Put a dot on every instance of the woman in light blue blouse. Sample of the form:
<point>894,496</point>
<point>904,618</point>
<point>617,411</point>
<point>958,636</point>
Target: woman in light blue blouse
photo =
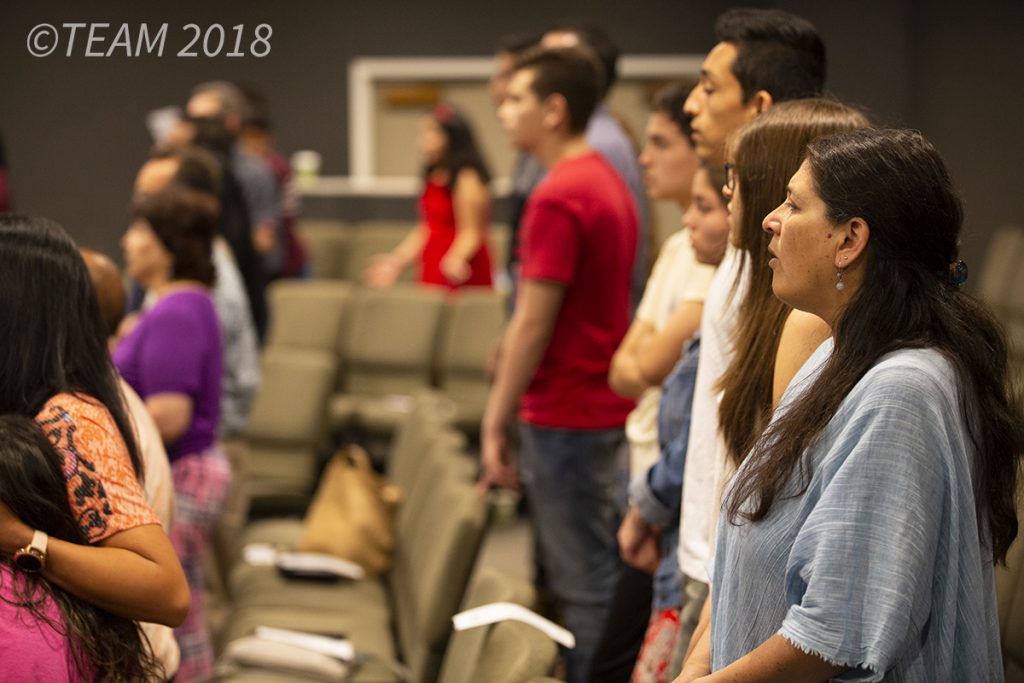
<point>857,540</point>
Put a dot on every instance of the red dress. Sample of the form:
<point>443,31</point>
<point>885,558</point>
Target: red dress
<point>438,212</point>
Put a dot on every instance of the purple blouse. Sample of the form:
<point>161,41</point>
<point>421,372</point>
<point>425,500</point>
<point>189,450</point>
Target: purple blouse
<point>176,348</point>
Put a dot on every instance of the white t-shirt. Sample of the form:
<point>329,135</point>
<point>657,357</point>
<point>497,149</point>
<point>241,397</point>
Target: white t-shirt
<point>677,277</point>
<point>706,451</point>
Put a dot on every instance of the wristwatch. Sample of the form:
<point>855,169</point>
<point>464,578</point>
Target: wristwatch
<point>32,558</point>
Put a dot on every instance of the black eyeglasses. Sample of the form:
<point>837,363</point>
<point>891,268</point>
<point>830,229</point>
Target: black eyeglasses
<point>730,177</point>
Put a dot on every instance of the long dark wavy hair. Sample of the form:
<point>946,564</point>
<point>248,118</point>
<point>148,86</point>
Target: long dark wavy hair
<point>52,336</point>
<point>461,150</point>
<point>896,181</point>
<point>104,647</point>
<point>765,154</point>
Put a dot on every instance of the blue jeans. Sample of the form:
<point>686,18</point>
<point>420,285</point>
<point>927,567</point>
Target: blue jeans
<point>570,478</point>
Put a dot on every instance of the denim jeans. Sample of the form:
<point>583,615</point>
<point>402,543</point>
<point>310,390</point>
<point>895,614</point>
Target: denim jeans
<point>570,478</point>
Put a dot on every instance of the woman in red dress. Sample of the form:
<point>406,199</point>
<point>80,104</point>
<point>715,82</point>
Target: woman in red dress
<point>450,241</point>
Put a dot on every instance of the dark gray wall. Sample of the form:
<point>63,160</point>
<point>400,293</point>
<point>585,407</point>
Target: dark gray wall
<point>74,125</point>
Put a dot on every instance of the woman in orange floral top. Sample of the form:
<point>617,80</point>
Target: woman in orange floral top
<point>55,367</point>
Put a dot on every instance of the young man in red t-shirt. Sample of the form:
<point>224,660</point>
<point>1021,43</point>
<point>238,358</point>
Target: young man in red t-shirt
<point>572,311</point>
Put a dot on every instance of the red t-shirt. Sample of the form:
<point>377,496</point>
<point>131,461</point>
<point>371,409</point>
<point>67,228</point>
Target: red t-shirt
<point>438,211</point>
<point>580,229</point>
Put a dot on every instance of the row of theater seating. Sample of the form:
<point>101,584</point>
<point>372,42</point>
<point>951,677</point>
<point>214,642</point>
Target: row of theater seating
<point>405,615</point>
<point>342,250</point>
<point>342,359</point>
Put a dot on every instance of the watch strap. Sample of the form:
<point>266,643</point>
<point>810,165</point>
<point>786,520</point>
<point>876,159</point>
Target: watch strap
<point>39,541</point>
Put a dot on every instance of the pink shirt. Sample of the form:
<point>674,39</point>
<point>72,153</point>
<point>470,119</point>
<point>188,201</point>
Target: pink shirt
<point>30,649</point>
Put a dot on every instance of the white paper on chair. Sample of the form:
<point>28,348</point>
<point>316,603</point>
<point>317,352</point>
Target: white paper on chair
<point>260,554</point>
<point>506,611</point>
<point>339,648</point>
<point>319,562</point>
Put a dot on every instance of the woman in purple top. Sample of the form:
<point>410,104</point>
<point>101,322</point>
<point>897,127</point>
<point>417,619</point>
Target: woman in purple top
<point>172,357</point>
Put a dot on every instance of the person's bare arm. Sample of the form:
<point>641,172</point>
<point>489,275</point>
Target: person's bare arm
<point>134,573</point>
<point>384,269</point>
<point>524,344</point>
<point>472,204</point>
<point>776,661</point>
<point>172,413</point>
<point>660,352</point>
<point>802,333</point>
<point>697,662</point>
<point>624,376</point>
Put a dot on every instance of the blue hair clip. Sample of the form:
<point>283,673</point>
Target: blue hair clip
<point>957,274</point>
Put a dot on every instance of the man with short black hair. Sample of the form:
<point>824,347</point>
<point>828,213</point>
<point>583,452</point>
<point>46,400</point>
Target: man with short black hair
<point>762,57</point>
<point>578,240</point>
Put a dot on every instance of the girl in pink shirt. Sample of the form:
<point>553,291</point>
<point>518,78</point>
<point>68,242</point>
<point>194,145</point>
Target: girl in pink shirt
<point>46,634</point>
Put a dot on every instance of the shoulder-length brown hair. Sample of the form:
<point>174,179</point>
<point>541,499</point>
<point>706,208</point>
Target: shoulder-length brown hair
<point>185,222</point>
<point>765,154</point>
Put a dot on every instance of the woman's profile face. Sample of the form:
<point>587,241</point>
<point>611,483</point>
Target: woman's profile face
<point>707,219</point>
<point>145,258</point>
<point>431,140</point>
<point>803,247</point>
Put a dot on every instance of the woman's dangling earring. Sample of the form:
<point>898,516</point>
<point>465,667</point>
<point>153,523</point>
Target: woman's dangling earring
<point>839,280</point>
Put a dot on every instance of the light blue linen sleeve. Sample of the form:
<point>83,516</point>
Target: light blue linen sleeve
<point>859,578</point>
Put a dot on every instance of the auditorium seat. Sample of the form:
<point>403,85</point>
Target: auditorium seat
<point>327,246</point>
<point>287,426</point>
<point>387,354</point>
<point>307,314</point>
<point>369,238</point>
<point>467,649</point>
<point>471,326</point>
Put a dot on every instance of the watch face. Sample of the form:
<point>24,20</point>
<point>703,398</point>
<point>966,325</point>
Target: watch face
<point>28,561</point>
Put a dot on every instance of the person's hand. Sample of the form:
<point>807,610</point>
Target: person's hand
<point>14,534</point>
<point>383,271</point>
<point>639,542</point>
<point>498,469</point>
<point>264,237</point>
<point>455,269</point>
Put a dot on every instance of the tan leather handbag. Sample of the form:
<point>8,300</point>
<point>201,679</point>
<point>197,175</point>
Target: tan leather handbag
<point>352,514</point>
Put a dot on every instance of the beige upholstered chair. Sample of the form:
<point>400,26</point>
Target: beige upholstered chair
<point>471,326</point>
<point>387,355</point>
<point>327,244</point>
<point>1001,285</point>
<point>286,426</point>
<point>307,314</point>
<point>467,648</point>
<point>369,238</point>
<point>515,653</point>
